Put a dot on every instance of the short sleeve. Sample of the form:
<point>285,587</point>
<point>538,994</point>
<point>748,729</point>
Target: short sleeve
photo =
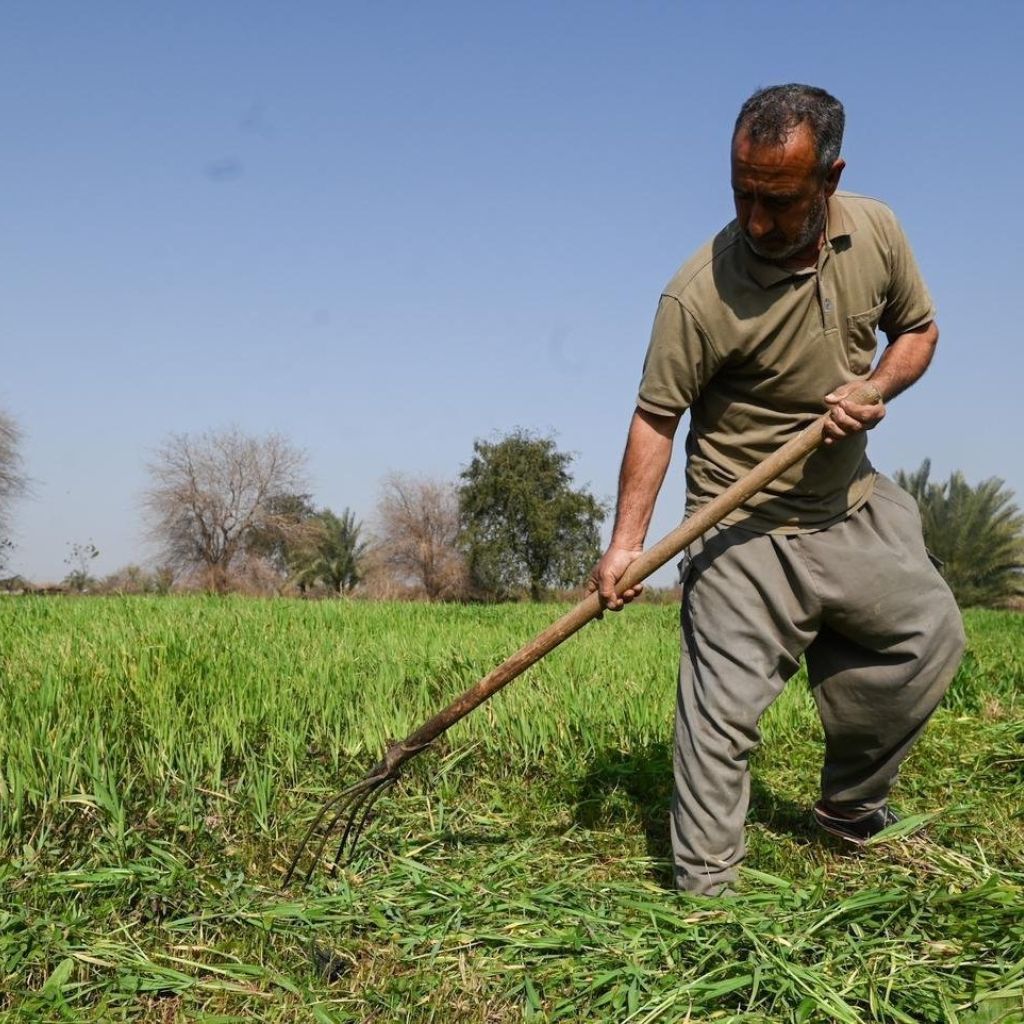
<point>680,361</point>
<point>908,304</point>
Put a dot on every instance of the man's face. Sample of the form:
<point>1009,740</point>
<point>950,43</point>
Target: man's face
<point>780,196</point>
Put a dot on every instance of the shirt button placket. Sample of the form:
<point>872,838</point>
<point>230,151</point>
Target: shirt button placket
<point>826,299</point>
<point>828,313</point>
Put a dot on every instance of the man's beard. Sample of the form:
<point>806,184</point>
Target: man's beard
<point>808,233</point>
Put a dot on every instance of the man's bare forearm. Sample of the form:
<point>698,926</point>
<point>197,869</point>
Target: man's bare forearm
<point>904,360</point>
<point>644,464</point>
<point>648,453</point>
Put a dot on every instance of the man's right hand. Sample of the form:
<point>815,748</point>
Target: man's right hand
<point>607,573</point>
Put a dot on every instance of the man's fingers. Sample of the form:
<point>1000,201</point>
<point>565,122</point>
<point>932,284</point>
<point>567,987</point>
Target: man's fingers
<point>842,419</point>
<point>855,416</point>
<point>846,418</point>
<point>605,586</point>
<point>617,601</point>
<point>605,577</point>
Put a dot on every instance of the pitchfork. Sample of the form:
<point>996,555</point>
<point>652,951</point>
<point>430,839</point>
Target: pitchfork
<point>350,810</point>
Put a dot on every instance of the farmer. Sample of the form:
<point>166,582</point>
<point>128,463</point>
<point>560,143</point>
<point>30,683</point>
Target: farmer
<point>771,323</point>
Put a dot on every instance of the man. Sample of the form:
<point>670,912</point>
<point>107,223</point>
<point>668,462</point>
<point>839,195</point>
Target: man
<point>771,323</point>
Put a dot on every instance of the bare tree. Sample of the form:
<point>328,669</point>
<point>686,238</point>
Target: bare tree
<point>418,529</point>
<point>212,492</point>
<point>79,558</point>
<point>13,482</point>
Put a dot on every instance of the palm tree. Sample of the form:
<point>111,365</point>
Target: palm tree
<point>976,532</point>
<point>334,558</point>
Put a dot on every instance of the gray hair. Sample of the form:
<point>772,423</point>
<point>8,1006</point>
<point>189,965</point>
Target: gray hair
<point>771,114</point>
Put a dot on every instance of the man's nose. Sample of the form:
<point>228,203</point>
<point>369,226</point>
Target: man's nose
<point>759,223</point>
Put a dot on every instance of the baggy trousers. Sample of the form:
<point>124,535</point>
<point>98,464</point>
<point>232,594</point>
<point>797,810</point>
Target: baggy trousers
<point>882,636</point>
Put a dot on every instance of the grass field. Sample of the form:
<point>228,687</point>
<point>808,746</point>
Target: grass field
<point>159,759</point>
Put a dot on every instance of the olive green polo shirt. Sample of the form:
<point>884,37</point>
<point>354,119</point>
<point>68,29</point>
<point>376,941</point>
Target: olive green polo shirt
<point>751,349</point>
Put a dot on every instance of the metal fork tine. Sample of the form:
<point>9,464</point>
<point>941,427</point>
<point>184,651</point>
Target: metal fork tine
<point>345,794</point>
<point>353,805</point>
<point>367,810</point>
<point>350,810</point>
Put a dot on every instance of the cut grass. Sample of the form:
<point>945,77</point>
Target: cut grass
<point>159,758</point>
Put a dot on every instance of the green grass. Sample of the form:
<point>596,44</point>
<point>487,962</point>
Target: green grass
<point>159,758</point>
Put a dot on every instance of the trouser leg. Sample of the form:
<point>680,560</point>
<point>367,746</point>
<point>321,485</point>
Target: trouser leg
<point>891,642</point>
<point>748,613</point>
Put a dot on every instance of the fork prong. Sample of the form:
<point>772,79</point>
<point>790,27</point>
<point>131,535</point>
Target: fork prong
<point>351,836</point>
<point>353,805</point>
<point>348,810</point>
<point>303,844</point>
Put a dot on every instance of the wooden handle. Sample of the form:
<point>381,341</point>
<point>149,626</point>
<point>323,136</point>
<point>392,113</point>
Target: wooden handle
<point>639,569</point>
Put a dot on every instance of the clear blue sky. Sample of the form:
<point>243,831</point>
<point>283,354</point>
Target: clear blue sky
<point>387,229</point>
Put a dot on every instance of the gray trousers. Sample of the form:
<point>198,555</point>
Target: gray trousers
<point>882,636</point>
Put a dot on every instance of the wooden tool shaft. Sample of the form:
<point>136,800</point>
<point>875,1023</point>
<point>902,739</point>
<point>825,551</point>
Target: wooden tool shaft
<point>639,569</point>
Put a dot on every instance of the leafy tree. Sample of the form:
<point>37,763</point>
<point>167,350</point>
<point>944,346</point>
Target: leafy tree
<point>288,533</point>
<point>335,555</point>
<point>977,532</point>
<point>418,527</point>
<point>524,525</point>
<point>211,494</point>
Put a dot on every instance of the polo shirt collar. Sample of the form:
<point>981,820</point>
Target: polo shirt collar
<point>837,225</point>
<point>767,274</point>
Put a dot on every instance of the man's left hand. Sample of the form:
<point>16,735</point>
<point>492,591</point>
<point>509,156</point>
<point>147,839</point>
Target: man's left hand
<point>846,417</point>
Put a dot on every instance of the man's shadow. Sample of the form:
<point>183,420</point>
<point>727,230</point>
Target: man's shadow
<point>623,786</point>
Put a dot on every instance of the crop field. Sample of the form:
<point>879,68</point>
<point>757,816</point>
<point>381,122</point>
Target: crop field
<point>160,758</point>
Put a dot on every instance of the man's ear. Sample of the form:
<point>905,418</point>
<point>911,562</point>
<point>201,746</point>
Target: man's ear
<point>833,175</point>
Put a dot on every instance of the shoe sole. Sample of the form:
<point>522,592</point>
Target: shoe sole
<point>845,836</point>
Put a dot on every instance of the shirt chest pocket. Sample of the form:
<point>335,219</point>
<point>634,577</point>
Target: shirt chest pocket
<point>861,342</point>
